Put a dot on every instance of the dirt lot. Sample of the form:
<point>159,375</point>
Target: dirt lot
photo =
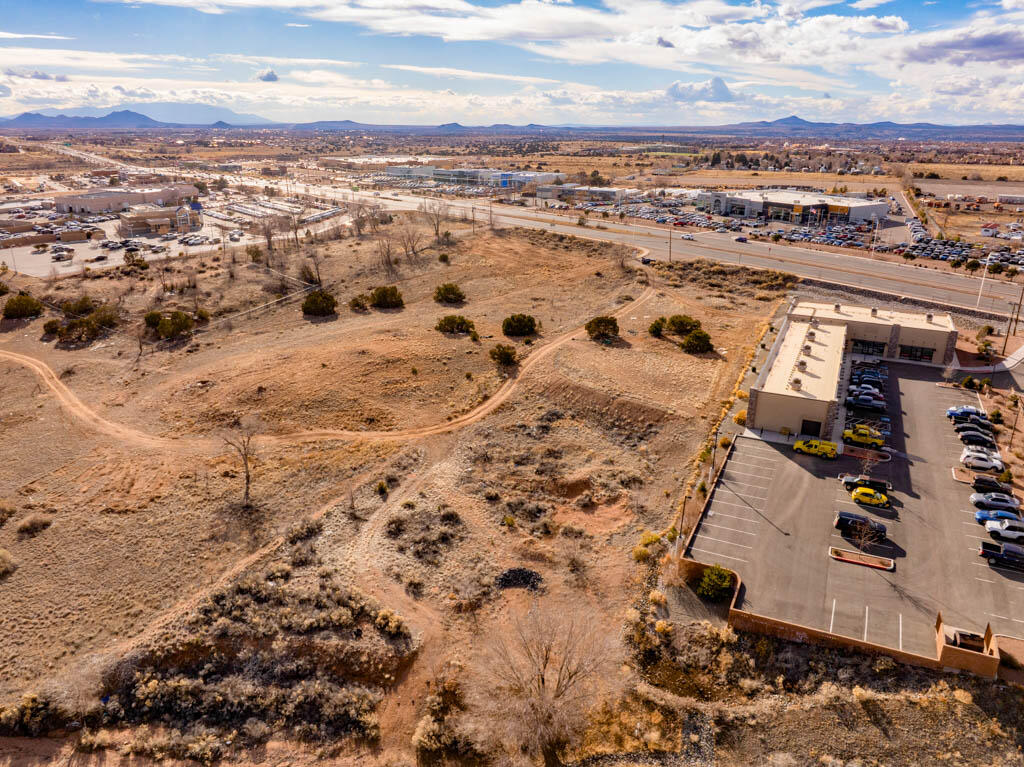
<point>433,470</point>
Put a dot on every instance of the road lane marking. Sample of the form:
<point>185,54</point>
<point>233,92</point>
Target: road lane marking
<point>716,554</point>
<point>733,529</point>
<point>722,540</point>
<point>984,580</point>
<point>865,623</point>
<point>832,620</point>
<point>1001,617</point>
<point>901,631</point>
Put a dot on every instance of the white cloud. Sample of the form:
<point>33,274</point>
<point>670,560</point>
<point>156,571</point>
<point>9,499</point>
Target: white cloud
<point>281,61</point>
<point>863,5</point>
<point>21,36</point>
<point>466,74</point>
<point>299,26</point>
<point>267,76</point>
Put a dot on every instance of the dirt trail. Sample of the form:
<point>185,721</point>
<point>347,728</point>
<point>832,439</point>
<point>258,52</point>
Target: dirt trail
<point>74,406</point>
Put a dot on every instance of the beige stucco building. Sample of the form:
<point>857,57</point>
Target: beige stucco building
<point>802,385</point>
<point>117,199</point>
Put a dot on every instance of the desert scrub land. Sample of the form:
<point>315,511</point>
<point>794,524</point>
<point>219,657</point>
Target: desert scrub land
<point>411,498</point>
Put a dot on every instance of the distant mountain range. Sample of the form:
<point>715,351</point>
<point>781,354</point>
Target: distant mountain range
<point>172,116</point>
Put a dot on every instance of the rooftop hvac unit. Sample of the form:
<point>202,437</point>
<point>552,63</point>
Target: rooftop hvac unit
<point>928,317</point>
<point>836,307</point>
<point>874,311</point>
<point>810,335</point>
<point>802,364</point>
<point>806,349</point>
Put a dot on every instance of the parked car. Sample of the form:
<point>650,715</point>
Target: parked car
<point>863,435</point>
<point>988,515</point>
<point>857,525</point>
<point>965,410</point>
<point>994,501</point>
<point>974,420</point>
<point>869,497</point>
<point>984,483</point>
<point>858,389</point>
<point>1006,529</point>
<point>1002,554</point>
<point>866,402</point>
<point>982,460</point>
<point>962,428</point>
<point>976,438</point>
<point>852,481</point>
<point>819,447</point>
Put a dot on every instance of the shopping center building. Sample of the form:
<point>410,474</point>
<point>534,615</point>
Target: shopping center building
<point>803,383</point>
<point>793,206</point>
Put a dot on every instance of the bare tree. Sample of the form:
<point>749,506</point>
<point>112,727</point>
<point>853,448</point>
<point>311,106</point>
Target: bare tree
<point>241,441</point>
<point>436,211</point>
<point>358,211</point>
<point>294,224</point>
<point>409,237</point>
<point>531,689</point>
<point>385,248</point>
<point>269,227</point>
<point>373,218</point>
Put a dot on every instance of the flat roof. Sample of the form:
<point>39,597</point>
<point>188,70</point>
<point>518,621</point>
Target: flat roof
<point>820,377</point>
<point>826,312</point>
<point>801,197</point>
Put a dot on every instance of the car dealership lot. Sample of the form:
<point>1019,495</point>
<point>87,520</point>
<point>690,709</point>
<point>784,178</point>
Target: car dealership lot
<point>771,520</point>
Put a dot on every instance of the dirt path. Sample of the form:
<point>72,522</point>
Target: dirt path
<point>78,409</point>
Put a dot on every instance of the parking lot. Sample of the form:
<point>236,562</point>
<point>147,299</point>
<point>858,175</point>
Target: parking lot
<point>771,520</point>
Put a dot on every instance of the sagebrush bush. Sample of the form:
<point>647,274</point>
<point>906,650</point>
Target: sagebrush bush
<point>6,512</point>
<point>7,564</point>
<point>449,293</point>
<point>454,323</point>
<point>174,325</point>
<point>359,303</point>
<point>657,328</point>
<point>519,325</point>
<point>301,531</point>
<point>602,327</point>
<point>50,327</point>
<point>386,297</point>
<point>79,307</point>
<point>4,288</point>
<point>152,319</point>
<point>22,306</point>
<point>740,418</point>
<point>33,525</point>
<point>319,303</point>
<point>503,354</point>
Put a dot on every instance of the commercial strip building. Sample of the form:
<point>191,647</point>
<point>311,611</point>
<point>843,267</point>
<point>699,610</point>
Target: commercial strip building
<point>793,206</point>
<point>501,179</point>
<point>149,218</point>
<point>116,199</point>
<point>802,385</point>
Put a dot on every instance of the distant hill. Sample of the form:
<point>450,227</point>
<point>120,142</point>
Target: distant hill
<point>122,120</point>
<point>191,116</point>
<point>167,112</point>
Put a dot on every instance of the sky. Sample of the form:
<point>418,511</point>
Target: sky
<point>478,62</point>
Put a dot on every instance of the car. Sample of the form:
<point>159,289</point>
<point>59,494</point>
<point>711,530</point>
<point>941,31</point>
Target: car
<point>972,419</point>
<point>1002,554</point>
<point>819,447</point>
<point>863,435</point>
<point>977,439</point>
<point>869,497</point>
<point>740,238</point>
<point>988,515</point>
<point>866,402</point>
<point>962,428</point>
<point>965,410</point>
<point>852,481</point>
<point>863,388</point>
<point>994,501</point>
<point>983,483</point>
<point>686,237</point>
<point>1006,529</point>
<point>981,461</point>
<point>857,525</point>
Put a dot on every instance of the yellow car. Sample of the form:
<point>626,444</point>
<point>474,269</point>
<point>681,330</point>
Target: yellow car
<point>863,435</point>
<point>821,447</point>
<point>870,497</point>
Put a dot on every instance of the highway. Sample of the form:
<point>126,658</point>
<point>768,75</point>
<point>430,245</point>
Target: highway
<point>853,269</point>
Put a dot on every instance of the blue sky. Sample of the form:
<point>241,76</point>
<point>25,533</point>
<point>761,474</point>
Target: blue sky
<point>637,62</point>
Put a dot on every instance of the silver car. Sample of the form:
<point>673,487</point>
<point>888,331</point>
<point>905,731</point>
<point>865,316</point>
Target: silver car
<point>994,501</point>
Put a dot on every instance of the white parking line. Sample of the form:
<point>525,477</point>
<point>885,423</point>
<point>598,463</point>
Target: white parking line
<point>744,496</point>
<point>741,505</point>
<point>731,470</point>
<point>1001,617</point>
<point>713,513</point>
<point>733,529</point>
<point>984,580</point>
<point>745,484</point>
<point>722,540</point>
<point>978,537</point>
<point>755,465</point>
<point>832,620</point>
<point>716,554</point>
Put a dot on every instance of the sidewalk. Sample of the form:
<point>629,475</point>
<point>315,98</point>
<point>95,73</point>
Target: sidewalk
<point>1011,361</point>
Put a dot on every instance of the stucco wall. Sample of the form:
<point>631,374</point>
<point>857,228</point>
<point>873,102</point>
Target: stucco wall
<point>775,411</point>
